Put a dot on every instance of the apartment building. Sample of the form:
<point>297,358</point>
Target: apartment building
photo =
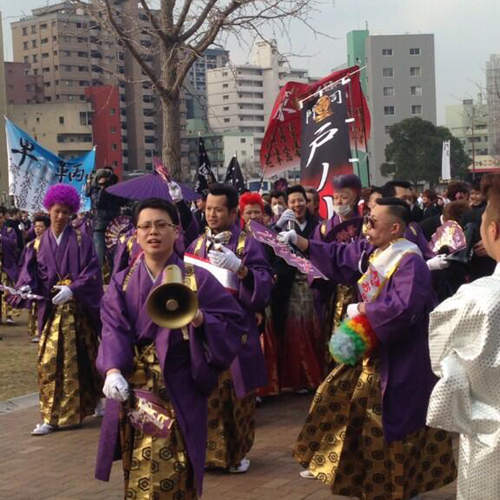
<point>4,182</point>
<point>241,97</point>
<point>399,82</point>
<point>21,86</point>
<point>493,101</point>
<point>71,52</point>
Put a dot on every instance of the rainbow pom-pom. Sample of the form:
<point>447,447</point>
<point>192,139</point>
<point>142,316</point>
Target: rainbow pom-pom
<point>353,340</point>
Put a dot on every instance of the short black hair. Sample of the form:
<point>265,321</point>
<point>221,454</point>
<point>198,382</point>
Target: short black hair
<point>275,193</point>
<point>42,218</point>
<point>157,204</point>
<point>298,188</point>
<point>219,189</point>
<point>3,210</point>
<point>398,208</point>
<point>389,188</point>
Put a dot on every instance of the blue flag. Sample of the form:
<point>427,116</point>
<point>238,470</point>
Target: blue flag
<point>33,169</point>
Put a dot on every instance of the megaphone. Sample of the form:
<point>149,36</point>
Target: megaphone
<point>172,304</point>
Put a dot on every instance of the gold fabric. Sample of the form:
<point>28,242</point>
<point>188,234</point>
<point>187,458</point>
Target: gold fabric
<point>68,381</point>
<point>342,442</point>
<point>7,311</point>
<point>154,468</point>
<point>231,425</point>
<point>33,319</point>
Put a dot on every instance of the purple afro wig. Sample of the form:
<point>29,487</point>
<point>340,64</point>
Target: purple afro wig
<point>62,194</point>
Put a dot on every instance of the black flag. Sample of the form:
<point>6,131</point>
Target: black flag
<point>234,176</point>
<point>204,176</point>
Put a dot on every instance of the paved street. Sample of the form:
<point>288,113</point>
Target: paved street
<point>60,466</point>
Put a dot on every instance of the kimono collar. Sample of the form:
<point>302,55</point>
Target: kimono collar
<point>58,239</point>
<point>173,259</point>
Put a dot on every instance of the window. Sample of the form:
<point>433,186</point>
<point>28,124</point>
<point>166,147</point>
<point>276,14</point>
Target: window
<point>225,97</point>
<point>387,52</point>
<point>25,45</point>
<point>416,90</point>
<point>415,52</point>
<point>113,130</point>
<point>33,29</point>
<point>114,147</point>
<point>25,31</point>
<point>415,71</point>
<point>44,40</point>
<point>45,55</point>
<point>243,140</point>
<point>388,72</point>
<point>388,110</point>
<point>61,120</point>
<point>226,108</point>
<point>35,58</point>
<point>33,43</point>
<point>387,129</point>
<point>225,85</point>
<point>389,91</point>
<point>26,59</point>
<point>43,26</point>
<point>226,120</point>
<point>112,111</point>
<point>416,109</point>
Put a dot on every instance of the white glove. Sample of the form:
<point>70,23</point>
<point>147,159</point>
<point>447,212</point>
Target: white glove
<point>115,387</point>
<point>352,311</point>
<point>175,192</point>
<point>287,216</point>
<point>25,289</point>
<point>225,258</point>
<point>438,263</point>
<point>288,236</point>
<point>63,295</point>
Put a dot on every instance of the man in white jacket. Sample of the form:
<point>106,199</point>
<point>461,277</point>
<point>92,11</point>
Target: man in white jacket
<point>464,344</point>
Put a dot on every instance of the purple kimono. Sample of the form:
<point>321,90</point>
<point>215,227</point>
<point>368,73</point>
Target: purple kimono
<point>190,369</point>
<point>249,369</point>
<point>74,259</point>
<point>415,234</point>
<point>8,240</point>
<point>400,318</point>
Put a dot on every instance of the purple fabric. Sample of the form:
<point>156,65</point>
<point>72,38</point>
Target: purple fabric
<point>8,239</point>
<point>149,186</point>
<point>415,234</point>
<point>190,369</point>
<point>399,316</point>
<point>249,369</point>
<point>72,259</point>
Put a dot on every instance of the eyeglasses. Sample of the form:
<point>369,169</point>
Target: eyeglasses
<point>160,225</point>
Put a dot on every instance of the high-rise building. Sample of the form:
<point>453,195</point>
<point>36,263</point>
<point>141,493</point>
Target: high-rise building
<point>71,51</point>
<point>400,83</point>
<point>493,100</point>
<point>241,97</point>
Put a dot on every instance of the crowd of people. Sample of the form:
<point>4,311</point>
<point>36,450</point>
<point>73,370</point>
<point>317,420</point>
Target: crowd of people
<point>410,299</point>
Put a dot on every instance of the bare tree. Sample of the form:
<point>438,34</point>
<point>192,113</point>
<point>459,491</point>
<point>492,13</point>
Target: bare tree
<point>181,31</point>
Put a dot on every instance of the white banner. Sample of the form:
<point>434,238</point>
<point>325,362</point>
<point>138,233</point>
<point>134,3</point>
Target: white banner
<point>445,162</point>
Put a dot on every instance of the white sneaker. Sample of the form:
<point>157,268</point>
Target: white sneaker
<point>239,469</point>
<point>100,408</point>
<point>42,429</point>
<point>10,321</point>
<point>35,340</point>
<point>307,474</point>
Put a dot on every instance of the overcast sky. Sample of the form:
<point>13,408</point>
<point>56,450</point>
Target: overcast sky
<point>465,34</point>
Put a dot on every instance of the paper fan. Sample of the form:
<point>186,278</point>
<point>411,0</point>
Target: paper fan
<point>118,226</point>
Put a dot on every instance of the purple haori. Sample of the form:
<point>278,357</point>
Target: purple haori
<point>400,318</point>
<point>190,369</point>
<point>249,369</point>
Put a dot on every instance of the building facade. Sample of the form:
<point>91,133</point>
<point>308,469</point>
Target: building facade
<point>241,97</point>
<point>493,101</point>
<point>4,172</point>
<point>469,123</point>
<point>70,50</point>
<point>400,83</point>
<point>21,86</point>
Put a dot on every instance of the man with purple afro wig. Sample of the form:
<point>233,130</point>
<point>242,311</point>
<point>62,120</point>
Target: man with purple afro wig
<point>62,267</point>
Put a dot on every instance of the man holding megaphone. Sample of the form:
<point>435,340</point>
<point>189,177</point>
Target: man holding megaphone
<point>158,377</point>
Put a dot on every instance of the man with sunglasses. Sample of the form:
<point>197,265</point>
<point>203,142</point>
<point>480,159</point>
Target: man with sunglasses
<point>365,435</point>
<point>169,373</point>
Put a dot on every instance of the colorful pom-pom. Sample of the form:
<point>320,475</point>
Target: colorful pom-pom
<point>352,341</point>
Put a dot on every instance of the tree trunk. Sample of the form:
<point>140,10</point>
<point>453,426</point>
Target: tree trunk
<point>171,146</point>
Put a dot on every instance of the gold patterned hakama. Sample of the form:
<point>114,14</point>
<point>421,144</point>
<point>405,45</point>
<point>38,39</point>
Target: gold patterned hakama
<point>7,311</point>
<point>154,468</point>
<point>342,442</point>
<point>231,425</point>
<point>68,381</point>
